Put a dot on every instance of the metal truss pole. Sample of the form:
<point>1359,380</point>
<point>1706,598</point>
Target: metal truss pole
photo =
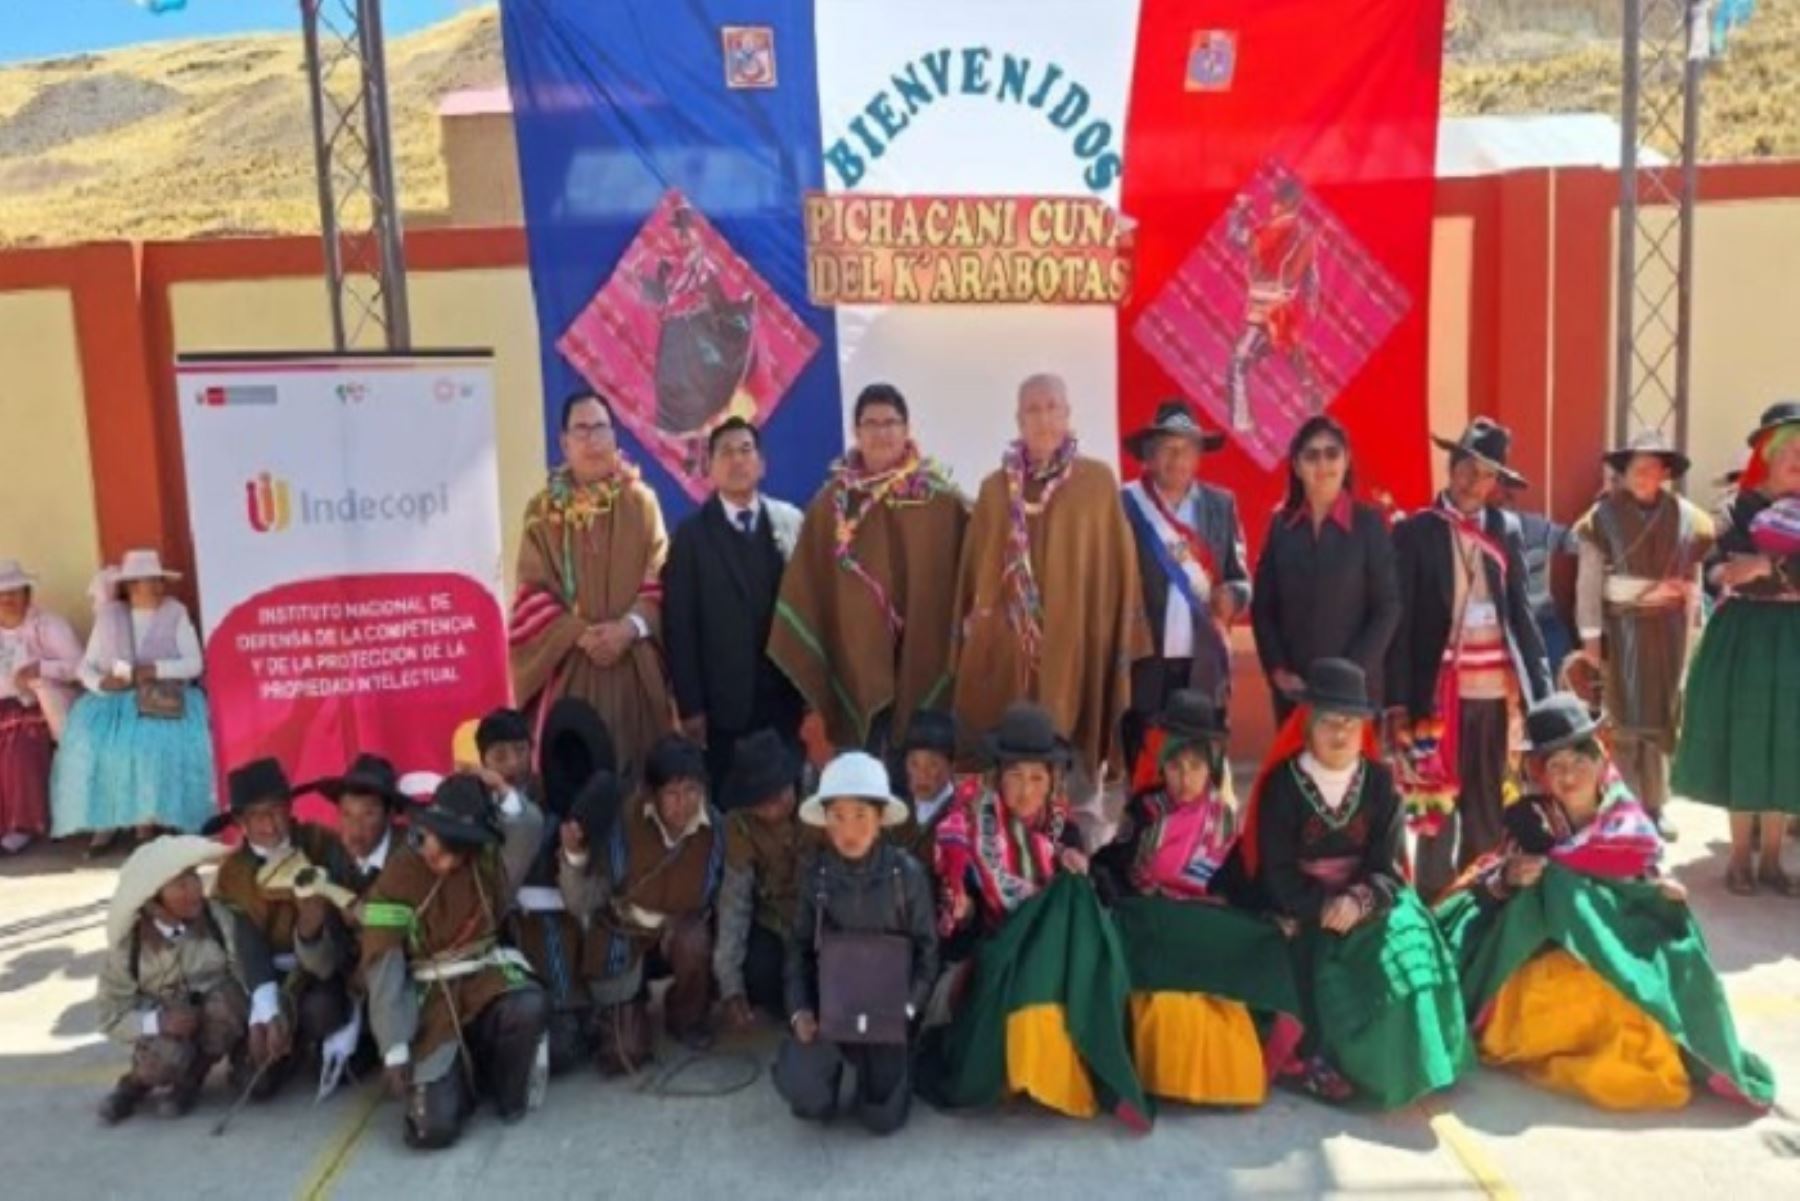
<point>359,208</point>
<point>1660,108</point>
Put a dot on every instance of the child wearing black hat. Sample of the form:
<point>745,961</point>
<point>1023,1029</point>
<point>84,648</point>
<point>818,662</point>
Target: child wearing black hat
<point>294,953</point>
<point>453,1010</point>
<point>766,849</point>
<point>646,898</point>
<point>927,771</point>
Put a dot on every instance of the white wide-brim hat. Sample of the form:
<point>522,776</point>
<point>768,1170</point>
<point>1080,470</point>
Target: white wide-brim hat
<point>14,577</point>
<point>149,868</point>
<point>853,775</point>
<point>142,565</point>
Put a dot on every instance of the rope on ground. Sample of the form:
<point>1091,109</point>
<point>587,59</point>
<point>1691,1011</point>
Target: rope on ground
<point>661,1083</point>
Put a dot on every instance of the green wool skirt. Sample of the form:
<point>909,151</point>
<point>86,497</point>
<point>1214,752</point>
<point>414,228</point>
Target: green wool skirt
<point>1386,1005</point>
<point>1740,737</point>
<point>1646,946</point>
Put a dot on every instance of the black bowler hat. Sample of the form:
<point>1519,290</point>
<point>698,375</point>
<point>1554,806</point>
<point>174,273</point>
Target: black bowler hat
<point>1192,717</point>
<point>576,745</point>
<point>461,813</point>
<point>673,758</point>
<point>1486,441</point>
<point>368,775</point>
<point>596,807</point>
<point>1782,412</point>
<point>930,730</point>
<point>1027,734</point>
<point>1559,720</point>
<point>761,767</point>
<point>1174,419</point>
<point>1649,442</point>
<point>255,782</point>
<point>1337,686</point>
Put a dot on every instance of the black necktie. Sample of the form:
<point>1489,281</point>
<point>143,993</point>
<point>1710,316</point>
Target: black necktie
<point>746,520</point>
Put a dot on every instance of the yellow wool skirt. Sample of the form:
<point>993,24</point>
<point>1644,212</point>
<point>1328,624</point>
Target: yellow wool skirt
<point>1043,1064</point>
<point>1557,1023</point>
<point>1197,1049</point>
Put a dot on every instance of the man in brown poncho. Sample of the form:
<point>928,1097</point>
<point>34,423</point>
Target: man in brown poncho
<point>864,622</point>
<point>1048,593</point>
<point>1636,601</point>
<point>588,612</point>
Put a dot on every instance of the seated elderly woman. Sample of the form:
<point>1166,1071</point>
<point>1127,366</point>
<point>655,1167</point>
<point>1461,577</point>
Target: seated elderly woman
<point>38,657</point>
<point>137,751</point>
<point>169,988</point>
<point>1214,1011</point>
<point>1042,1007</point>
<point>1583,970</point>
<point>1324,842</point>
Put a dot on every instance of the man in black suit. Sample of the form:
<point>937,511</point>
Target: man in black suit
<point>1467,648</point>
<point>720,585</point>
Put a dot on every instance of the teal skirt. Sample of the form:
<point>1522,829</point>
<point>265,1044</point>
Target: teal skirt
<point>116,769</point>
<point>1740,737</point>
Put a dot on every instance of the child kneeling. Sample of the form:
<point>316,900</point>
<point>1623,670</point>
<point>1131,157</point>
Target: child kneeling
<point>863,955</point>
<point>170,988</point>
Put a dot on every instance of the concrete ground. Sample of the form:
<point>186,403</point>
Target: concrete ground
<point>1491,1136</point>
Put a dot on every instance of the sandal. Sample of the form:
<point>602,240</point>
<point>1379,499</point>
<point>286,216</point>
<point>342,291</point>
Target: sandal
<point>1778,882</point>
<point>1739,882</point>
<point>1316,1077</point>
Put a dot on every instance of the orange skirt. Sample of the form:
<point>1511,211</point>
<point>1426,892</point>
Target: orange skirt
<point>1197,1049</point>
<point>1561,1026</point>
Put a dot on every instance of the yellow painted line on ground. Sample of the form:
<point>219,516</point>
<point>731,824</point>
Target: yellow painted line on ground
<point>322,1178</point>
<point>1469,1152</point>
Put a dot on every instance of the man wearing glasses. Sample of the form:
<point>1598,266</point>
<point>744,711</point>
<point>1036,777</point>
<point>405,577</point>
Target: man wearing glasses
<point>863,625</point>
<point>588,611</point>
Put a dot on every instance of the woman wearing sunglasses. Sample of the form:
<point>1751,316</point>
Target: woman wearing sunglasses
<point>1325,586</point>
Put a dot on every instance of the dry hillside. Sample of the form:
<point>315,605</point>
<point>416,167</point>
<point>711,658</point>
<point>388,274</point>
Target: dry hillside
<point>191,139</point>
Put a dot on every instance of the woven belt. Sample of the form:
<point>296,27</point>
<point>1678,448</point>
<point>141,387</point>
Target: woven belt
<point>439,971</point>
<point>536,898</point>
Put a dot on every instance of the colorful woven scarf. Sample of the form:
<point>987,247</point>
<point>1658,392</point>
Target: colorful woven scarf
<point>574,508</point>
<point>1024,602</point>
<point>1619,843</point>
<point>858,492</point>
<point>1183,845</point>
<point>1010,859</point>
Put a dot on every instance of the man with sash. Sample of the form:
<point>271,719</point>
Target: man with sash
<point>1190,550</point>
<point>1048,598</point>
<point>588,614</point>
<point>455,1014</point>
<point>1467,657</point>
<point>863,623</point>
<point>294,957</point>
<point>1636,599</point>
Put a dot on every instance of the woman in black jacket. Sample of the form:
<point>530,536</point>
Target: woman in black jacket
<point>1325,584</point>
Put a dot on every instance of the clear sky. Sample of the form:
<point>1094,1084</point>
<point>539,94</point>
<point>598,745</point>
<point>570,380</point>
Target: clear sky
<point>47,28</point>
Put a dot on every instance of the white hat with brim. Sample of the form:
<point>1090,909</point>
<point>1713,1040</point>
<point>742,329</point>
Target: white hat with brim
<point>149,868</point>
<point>142,565</point>
<point>14,577</point>
<point>854,776</point>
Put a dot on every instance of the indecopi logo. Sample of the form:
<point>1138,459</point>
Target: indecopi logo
<point>269,506</point>
<point>266,501</point>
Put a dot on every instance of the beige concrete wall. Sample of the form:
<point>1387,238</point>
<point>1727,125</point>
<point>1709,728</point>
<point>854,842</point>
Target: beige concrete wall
<point>1746,338</point>
<point>487,309</point>
<point>481,168</point>
<point>47,518</point>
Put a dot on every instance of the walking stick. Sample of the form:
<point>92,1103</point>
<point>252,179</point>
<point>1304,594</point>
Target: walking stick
<point>243,1098</point>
